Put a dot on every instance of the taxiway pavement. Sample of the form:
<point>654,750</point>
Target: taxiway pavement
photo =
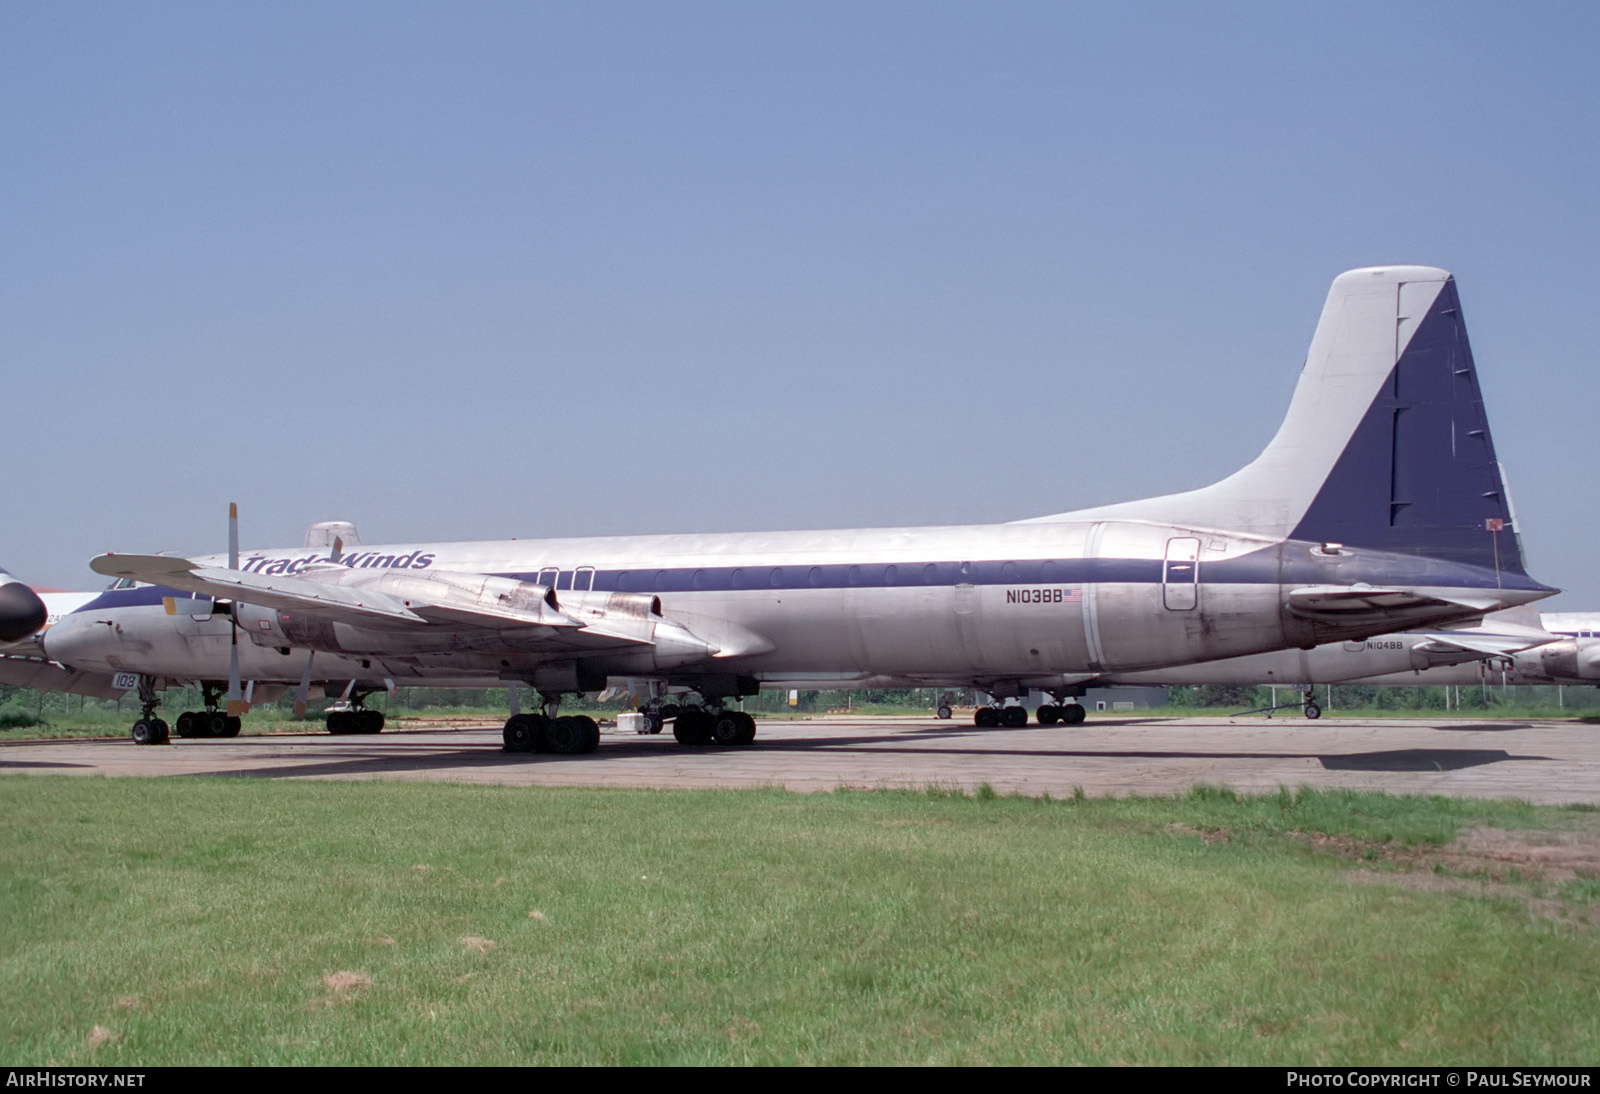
<point>1552,762</point>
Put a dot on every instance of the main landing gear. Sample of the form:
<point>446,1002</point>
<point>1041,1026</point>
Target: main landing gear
<point>995,714</point>
<point>149,730</point>
<point>1015,717</point>
<point>358,719</point>
<point>209,722</point>
<point>543,731</point>
<point>713,725</point>
<point>1070,714</point>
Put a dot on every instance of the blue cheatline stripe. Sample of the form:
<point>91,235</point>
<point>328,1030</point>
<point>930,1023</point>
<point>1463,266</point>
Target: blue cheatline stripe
<point>140,596</point>
<point>1262,567</point>
<point>1257,568</point>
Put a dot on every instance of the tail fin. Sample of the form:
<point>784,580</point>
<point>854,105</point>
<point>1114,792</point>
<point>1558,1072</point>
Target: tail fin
<point>1385,446</point>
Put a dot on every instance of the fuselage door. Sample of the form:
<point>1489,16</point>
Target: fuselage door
<point>1180,589</point>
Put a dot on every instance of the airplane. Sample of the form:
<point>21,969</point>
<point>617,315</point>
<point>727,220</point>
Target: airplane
<point>22,613</point>
<point>1521,641</point>
<point>1572,657</point>
<point>1379,505</point>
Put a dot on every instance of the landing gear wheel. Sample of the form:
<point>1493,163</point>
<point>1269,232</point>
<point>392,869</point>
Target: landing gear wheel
<point>651,723</point>
<point>187,726</point>
<point>1073,714</point>
<point>733,727</point>
<point>573,735</point>
<point>1049,714</point>
<point>944,712</point>
<point>233,726</point>
<point>591,735</point>
<point>369,721</point>
<point>692,726</point>
<point>1311,710</point>
<point>150,731</point>
<point>339,722</point>
<point>1014,717</point>
<point>986,717</point>
<point>216,725</point>
<point>524,733</point>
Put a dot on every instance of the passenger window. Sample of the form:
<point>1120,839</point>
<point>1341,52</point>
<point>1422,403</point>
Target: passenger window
<point>583,579</point>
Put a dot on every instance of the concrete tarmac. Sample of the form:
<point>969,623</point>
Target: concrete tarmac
<point>1552,762</point>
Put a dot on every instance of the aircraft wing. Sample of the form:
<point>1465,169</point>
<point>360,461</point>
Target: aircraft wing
<point>286,593</point>
<point>438,601</point>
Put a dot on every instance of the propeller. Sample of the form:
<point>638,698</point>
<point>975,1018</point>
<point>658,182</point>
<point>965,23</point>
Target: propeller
<point>305,687</point>
<point>236,701</point>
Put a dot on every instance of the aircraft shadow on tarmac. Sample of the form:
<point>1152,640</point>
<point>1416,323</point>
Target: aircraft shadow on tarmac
<point>380,761</point>
<point>1421,759</point>
<point>1484,727</point>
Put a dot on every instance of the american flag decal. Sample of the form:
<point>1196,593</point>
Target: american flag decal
<point>1074,596</point>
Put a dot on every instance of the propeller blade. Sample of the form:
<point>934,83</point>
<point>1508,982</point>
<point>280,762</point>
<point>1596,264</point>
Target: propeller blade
<point>236,701</point>
<point>305,687</point>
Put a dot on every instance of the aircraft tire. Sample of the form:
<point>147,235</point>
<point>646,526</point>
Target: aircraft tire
<point>1014,717</point>
<point>566,736</point>
<point>186,724</point>
<point>944,713</point>
<point>653,721</point>
<point>986,717</point>
<point>575,735</point>
<point>1311,710</point>
<point>747,732</point>
<point>215,725</point>
<point>590,734</point>
<point>369,721</point>
<point>233,725</point>
<point>692,727</point>
<point>522,733</point>
<point>726,728</point>
<point>1073,714</point>
<point>1049,714</point>
<point>142,733</point>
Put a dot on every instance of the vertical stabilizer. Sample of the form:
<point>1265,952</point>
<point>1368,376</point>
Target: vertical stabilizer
<point>1385,446</point>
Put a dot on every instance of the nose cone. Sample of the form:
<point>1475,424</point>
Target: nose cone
<point>21,611</point>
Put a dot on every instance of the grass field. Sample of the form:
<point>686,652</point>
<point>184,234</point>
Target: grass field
<point>172,921</point>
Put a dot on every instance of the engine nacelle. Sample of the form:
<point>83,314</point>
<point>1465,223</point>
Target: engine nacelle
<point>1571,659</point>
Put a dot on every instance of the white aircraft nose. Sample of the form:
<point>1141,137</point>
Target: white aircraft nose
<point>21,612</point>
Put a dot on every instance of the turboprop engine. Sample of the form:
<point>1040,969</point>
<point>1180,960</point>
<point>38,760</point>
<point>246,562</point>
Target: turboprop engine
<point>1572,659</point>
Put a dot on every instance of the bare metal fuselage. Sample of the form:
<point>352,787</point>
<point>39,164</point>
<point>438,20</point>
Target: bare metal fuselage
<point>1041,605</point>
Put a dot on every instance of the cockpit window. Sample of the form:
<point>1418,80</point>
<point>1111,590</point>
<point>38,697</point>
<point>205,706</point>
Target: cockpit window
<point>124,583</point>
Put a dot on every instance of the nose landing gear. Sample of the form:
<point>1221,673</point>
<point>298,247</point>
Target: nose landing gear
<point>149,730</point>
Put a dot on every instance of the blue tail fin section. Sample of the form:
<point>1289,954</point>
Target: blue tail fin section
<point>1419,474</point>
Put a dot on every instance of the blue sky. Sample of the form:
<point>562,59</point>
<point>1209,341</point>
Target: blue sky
<point>492,270</point>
